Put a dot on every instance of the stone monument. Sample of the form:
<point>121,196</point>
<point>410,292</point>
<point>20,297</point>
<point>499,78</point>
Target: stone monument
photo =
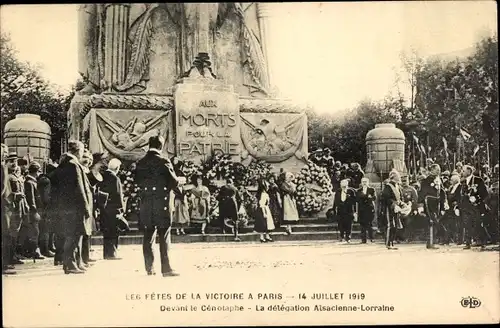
<point>195,73</point>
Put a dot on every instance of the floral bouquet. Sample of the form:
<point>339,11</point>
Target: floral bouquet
<point>314,188</point>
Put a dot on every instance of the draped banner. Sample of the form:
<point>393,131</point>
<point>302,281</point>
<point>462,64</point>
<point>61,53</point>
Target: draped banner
<point>124,134</point>
<point>274,137</point>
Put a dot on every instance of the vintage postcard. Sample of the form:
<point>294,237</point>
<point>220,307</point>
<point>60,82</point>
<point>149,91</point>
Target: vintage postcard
<point>220,164</point>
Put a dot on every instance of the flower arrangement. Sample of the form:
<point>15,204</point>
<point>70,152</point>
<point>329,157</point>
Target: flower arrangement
<point>130,191</point>
<point>258,170</point>
<point>314,189</point>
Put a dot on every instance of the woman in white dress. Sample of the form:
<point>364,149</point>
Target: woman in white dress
<point>289,191</point>
<point>264,223</point>
<point>200,204</point>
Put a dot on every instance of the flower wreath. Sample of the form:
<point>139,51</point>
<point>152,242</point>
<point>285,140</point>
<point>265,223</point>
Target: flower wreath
<point>314,189</point>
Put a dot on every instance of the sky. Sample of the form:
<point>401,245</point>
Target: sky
<point>330,55</point>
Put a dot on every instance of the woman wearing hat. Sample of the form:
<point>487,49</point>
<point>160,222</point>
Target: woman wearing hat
<point>289,191</point>
<point>275,203</point>
<point>96,163</point>
<point>200,203</point>
<point>180,218</point>
<point>263,218</point>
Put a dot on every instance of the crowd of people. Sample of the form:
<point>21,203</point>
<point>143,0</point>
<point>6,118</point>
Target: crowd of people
<point>54,213</point>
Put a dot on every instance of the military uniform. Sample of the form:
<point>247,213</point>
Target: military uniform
<point>34,203</point>
<point>18,210</point>
<point>390,200</point>
<point>155,178</point>
<point>432,199</point>
<point>409,195</point>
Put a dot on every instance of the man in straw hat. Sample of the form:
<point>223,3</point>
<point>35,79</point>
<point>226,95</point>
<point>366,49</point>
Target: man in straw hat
<point>432,201</point>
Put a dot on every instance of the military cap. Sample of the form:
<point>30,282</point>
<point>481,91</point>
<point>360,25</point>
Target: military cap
<point>435,169</point>
<point>34,167</point>
<point>11,156</point>
<point>446,172</point>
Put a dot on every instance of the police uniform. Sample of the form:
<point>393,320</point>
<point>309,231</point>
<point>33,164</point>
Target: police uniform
<point>155,178</point>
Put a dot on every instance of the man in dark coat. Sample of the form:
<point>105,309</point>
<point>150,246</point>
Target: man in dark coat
<point>432,201</point>
<point>344,205</point>
<point>390,204</point>
<point>46,241</point>
<point>34,203</point>
<point>113,209</point>
<point>366,198</point>
<point>474,207</point>
<point>410,198</point>
<point>229,203</point>
<point>74,196</point>
<point>453,218</point>
<point>155,178</point>
<point>355,175</point>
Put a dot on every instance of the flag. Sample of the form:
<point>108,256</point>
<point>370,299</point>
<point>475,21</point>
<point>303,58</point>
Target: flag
<point>445,144</point>
<point>465,134</point>
<point>476,149</point>
<point>423,149</point>
<point>415,138</point>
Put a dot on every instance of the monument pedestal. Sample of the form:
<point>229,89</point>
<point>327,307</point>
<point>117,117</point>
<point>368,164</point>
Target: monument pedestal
<point>207,119</point>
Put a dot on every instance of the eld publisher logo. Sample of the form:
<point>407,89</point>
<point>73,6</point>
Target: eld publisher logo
<point>470,302</point>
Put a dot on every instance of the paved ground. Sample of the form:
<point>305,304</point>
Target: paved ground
<point>421,286</point>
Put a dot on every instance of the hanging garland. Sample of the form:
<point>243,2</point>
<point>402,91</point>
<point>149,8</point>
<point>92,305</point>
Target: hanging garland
<point>314,189</point>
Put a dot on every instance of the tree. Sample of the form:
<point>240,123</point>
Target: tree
<point>23,90</point>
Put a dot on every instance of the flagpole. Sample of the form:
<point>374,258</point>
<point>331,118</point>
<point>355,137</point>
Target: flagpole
<point>488,153</point>
<point>414,159</point>
<point>454,159</point>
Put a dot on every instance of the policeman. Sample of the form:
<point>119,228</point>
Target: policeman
<point>155,177</point>
<point>432,201</point>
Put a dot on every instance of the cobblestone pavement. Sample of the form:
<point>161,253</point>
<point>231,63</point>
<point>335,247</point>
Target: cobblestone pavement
<point>422,286</point>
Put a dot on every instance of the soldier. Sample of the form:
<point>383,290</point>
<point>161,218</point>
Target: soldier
<point>391,207</point>
<point>344,205</point>
<point>432,201</point>
<point>473,207</point>
<point>410,198</point>
<point>6,199</point>
<point>34,203</point>
<point>18,208</point>
<point>366,198</point>
<point>155,177</point>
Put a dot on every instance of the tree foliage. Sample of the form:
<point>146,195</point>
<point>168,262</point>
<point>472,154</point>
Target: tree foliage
<point>445,96</point>
<point>23,90</point>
